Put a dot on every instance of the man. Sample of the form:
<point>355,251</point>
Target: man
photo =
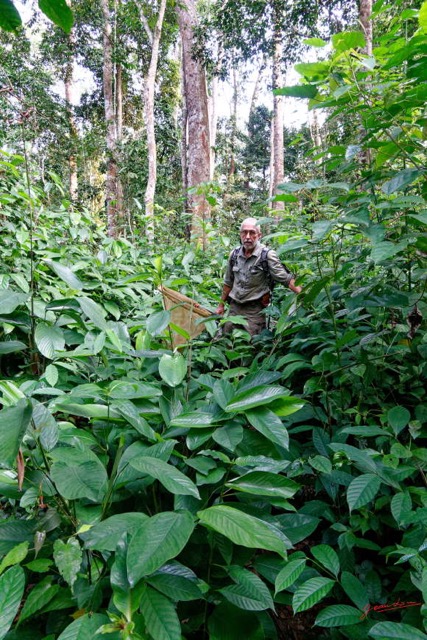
<point>247,280</point>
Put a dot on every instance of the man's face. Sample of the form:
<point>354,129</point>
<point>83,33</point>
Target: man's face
<point>249,236</point>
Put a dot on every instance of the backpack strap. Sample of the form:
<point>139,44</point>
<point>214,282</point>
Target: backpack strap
<point>233,256</point>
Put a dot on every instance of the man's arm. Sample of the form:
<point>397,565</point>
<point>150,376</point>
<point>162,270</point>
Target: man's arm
<point>224,295</point>
<point>280,274</point>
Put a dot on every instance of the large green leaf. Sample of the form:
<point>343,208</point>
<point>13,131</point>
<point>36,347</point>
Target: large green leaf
<point>68,558</point>
<point>355,590</point>
<point>39,596</point>
<point>94,312</point>
<point>13,425</point>
<point>249,593</point>
<point>298,526</point>
<point>264,483</point>
<point>99,411</point>
<point>59,12</point>
<point>131,414</point>
<point>256,397</point>
<point>85,628</point>
<point>242,528</point>
<point>270,425</point>
<point>194,420</point>
<point>45,426</point>
<point>12,584</point>
<point>173,369</point>
<point>338,615</point>
<point>14,556</point>
<point>401,180</point>
<point>398,417</point>
<point>12,346</point>
<point>348,40</point>
<point>362,490</point>
<point>396,631</point>
<point>176,587</point>
<point>172,479</point>
<point>78,474</point>
<point>310,593</point>
<point>159,614</point>
<point>10,300</point>
<point>327,557</point>
<point>13,532</point>
<point>105,535</point>
<point>49,340</point>
<point>65,274</point>
<point>157,322</point>
<point>298,91</point>
<point>289,574</point>
<point>159,539</point>
<point>9,16</point>
<point>130,390</point>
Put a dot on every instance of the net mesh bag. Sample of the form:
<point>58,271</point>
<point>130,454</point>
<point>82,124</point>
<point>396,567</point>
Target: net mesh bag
<point>185,313</point>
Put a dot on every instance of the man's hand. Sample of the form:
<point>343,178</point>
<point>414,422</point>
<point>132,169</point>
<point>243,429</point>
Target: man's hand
<point>220,309</point>
<point>293,287</point>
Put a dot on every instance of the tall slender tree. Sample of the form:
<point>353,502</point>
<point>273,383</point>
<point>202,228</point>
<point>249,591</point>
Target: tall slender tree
<point>197,120</point>
<point>111,191</point>
<point>149,91</point>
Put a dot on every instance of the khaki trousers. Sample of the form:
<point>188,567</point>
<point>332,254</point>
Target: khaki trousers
<point>252,311</point>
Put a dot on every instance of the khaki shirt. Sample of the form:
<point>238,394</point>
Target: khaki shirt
<point>247,278</point>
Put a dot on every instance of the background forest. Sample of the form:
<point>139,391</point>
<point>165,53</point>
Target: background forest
<point>221,488</point>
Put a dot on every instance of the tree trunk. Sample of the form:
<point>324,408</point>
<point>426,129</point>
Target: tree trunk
<point>232,167</point>
<point>69,87</point>
<point>277,124</point>
<point>111,125</point>
<point>198,149</point>
<point>150,84</point>
<point>365,12</point>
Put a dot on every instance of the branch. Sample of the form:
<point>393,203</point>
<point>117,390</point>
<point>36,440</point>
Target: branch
<point>145,24</point>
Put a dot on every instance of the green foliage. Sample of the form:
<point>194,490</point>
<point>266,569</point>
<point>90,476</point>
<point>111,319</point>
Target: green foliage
<point>197,491</point>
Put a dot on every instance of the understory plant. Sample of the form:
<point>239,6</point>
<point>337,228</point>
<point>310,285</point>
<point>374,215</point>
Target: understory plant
<point>225,488</point>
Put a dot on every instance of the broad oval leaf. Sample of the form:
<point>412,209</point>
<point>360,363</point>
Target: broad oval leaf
<point>10,19</point>
<point>85,628</point>
<point>78,474</point>
<point>264,483</point>
<point>105,535</point>
<point>171,478</point>
<point>39,596</point>
<point>310,593</point>
<point>395,631</point>
<point>11,346</point>
<point>401,180</point>
<point>157,322</point>
<point>10,300</point>
<point>355,590</point>
<point>339,615</point>
<point>362,490</point>
<point>256,397</point>
<point>194,420</point>
<point>68,558</point>
<point>249,593</point>
<point>398,417</point>
<point>49,340</point>
<point>173,369</point>
<point>159,539</point>
<point>13,425</point>
<point>65,274</point>
<point>159,615</point>
<point>94,312</point>
<point>327,557</point>
<point>243,529</point>
<point>289,574</point>
<point>12,584</point>
<point>59,12</point>
<point>269,424</point>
